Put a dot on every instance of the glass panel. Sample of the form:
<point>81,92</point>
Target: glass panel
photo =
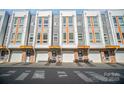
<point>64,35</point>
<point>15,20</point>
<point>38,36</point>
<point>19,36</point>
<point>95,18</point>
<point>46,20</point>
<point>97,37</point>
<point>22,20</point>
<point>40,20</point>
<point>70,19</point>
<point>71,36</point>
<point>118,36</point>
<point>45,36</point>
<point>64,20</point>
<point>31,38</point>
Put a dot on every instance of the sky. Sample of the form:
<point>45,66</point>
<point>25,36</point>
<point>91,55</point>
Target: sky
<point>61,4</point>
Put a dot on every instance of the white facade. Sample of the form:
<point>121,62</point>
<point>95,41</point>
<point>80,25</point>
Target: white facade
<point>120,56</point>
<point>112,13</point>
<point>24,32</point>
<point>41,56</point>
<point>95,56</point>
<point>73,14</point>
<point>16,56</point>
<point>43,14</point>
<point>94,13</point>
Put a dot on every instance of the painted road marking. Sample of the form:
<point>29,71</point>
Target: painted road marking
<point>61,74</point>
<point>11,71</point>
<point>83,76</point>
<point>39,74</point>
<point>8,73</point>
<point>3,75</point>
<point>97,76</point>
<point>28,71</point>
<point>22,76</point>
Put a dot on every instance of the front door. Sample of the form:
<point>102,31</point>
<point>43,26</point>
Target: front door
<point>107,56</point>
<point>80,55</point>
<point>54,55</point>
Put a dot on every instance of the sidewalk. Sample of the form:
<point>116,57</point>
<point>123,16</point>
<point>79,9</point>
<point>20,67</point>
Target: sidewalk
<point>66,65</point>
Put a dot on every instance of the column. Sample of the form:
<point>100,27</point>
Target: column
<point>76,56</point>
<point>103,57</point>
<point>85,56</point>
<point>23,56</point>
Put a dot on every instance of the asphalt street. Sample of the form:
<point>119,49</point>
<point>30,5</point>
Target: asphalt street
<point>26,75</point>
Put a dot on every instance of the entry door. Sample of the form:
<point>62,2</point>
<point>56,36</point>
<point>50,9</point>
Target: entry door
<point>80,54</point>
<point>68,57</point>
<point>16,56</point>
<point>107,56</point>
<point>42,56</point>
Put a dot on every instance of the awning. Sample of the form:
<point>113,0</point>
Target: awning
<point>2,47</point>
<point>54,47</point>
<point>112,46</point>
<point>84,47</point>
<point>26,47</point>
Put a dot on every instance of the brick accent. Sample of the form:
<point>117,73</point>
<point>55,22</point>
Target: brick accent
<point>23,56</point>
<point>32,57</point>
<point>85,56</point>
<point>75,56</point>
<point>112,57</point>
<point>103,57</point>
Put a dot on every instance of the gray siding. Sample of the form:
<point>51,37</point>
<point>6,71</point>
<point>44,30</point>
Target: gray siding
<point>31,28</point>
<point>3,28</point>
<point>80,29</point>
<point>55,30</point>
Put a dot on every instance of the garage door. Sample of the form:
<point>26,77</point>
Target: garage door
<point>120,57</point>
<point>95,56</point>
<point>68,57</point>
<point>42,57</point>
<point>16,56</point>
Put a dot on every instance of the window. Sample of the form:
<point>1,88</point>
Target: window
<point>64,20</point>
<point>118,37</point>
<point>97,37</point>
<point>45,37</point>
<point>64,37</point>
<point>46,20</point>
<point>20,28</point>
<point>80,38</point>
<point>39,20</point>
<point>55,37</point>
<point>19,36</point>
<point>31,37</point>
<point>89,23</point>
<point>120,19</point>
<point>71,37</point>
<point>38,37</point>
<point>114,20</point>
<point>22,20</point>
<point>15,20</point>
<point>70,20</point>
<point>95,20</point>
<point>91,37</point>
